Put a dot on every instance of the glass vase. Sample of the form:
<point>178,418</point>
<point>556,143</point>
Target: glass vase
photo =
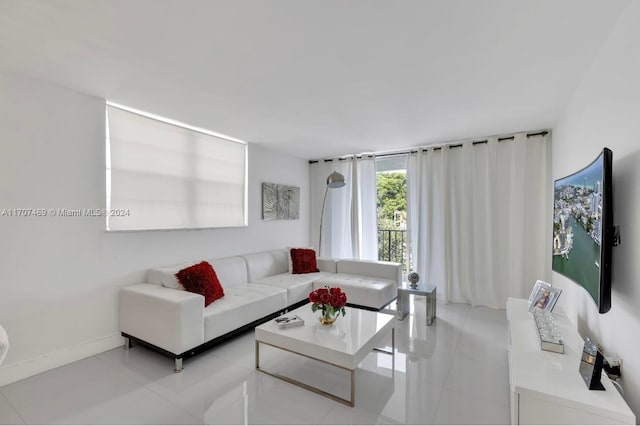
<point>328,318</point>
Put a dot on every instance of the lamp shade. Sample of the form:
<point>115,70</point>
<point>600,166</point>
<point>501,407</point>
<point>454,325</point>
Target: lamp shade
<point>335,180</point>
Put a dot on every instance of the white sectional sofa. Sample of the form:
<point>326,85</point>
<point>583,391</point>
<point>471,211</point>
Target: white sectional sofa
<point>257,287</point>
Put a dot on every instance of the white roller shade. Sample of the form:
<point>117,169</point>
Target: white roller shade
<point>164,176</point>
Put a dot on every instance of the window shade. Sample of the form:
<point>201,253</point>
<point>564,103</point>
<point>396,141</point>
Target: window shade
<point>164,176</point>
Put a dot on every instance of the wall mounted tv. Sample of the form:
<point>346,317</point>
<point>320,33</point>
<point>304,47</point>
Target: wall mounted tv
<point>583,231</point>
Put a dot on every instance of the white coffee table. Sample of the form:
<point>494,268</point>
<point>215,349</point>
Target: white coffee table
<point>343,344</point>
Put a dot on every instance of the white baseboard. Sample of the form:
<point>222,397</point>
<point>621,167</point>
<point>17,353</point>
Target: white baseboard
<point>21,370</point>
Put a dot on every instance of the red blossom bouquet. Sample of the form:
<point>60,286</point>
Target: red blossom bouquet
<point>330,300</point>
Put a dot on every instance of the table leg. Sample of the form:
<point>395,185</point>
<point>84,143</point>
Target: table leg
<point>430,301</point>
<point>403,305</point>
<point>393,351</point>
<point>353,388</point>
<point>309,387</point>
<point>257,355</point>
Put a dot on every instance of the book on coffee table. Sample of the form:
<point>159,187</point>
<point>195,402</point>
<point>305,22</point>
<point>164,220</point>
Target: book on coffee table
<point>288,321</point>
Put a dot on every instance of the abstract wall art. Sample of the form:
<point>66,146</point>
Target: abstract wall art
<point>280,202</point>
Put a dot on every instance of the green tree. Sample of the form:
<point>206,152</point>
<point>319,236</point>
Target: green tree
<point>392,196</point>
<point>391,213</point>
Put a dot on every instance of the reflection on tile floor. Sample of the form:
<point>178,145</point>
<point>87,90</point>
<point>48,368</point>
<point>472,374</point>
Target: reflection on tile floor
<point>453,372</point>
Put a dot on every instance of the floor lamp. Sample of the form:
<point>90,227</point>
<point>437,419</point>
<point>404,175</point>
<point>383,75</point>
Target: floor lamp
<point>334,180</point>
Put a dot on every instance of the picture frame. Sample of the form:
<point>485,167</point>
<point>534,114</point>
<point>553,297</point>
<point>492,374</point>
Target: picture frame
<point>280,202</point>
<point>545,298</point>
<point>536,287</point>
<point>591,363</point>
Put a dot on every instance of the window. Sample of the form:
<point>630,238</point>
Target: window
<point>391,183</point>
<point>165,175</point>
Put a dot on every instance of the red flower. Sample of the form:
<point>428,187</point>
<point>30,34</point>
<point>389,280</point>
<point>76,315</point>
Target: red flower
<point>343,299</point>
<point>335,300</point>
<point>328,299</point>
<point>324,297</point>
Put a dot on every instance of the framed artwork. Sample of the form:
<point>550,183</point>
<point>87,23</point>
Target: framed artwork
<point>537,286</point>
<point>545,298</point>
<point>280,202</point>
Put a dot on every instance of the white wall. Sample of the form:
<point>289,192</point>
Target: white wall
<point>605,111</point>
<point>59,276</point>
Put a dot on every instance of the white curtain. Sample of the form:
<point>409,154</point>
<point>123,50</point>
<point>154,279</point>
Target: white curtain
<point>479,218</point>
<point>364,231</point>
<point>349,228</point>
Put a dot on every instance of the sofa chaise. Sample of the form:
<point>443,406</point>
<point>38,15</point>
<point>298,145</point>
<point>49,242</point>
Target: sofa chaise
<point>257,287</point>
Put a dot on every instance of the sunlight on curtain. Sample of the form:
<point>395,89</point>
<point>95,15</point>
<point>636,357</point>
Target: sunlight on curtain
<point>479,218</point>
<point>364,232</point>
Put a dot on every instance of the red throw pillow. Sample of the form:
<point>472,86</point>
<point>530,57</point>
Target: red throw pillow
<point>303,261</point>
<point>202,279</point>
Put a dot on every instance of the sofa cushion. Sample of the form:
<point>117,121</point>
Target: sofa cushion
<point>201,278</point>
<point>303,261</point>
<point>266,263</point>
<point>241,305</point>
<point>231,271</point>
<point>298,286</point>
<point>370,268</point>
<point>290,265</point>
<point>363,291</point>
<point>327,264</point>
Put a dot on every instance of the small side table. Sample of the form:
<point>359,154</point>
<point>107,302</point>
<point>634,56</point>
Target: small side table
<point>404,292</point>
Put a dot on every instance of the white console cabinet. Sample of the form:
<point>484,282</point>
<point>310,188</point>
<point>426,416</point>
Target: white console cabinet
<point>546,387</point>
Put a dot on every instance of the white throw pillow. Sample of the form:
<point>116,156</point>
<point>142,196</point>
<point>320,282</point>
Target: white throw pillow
<point>167,276</point>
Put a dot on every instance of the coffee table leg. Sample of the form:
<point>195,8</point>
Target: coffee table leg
<point>257,354</point>
<point>353,388</point>
<point>306,386</point>
<point>393,351</point>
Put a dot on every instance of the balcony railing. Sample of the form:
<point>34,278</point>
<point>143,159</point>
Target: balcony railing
<point>392,246</point>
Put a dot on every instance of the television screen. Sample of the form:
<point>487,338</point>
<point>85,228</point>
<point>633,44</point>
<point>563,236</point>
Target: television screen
<point>583,228</point>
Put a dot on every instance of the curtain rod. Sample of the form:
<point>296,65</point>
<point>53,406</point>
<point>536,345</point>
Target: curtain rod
<point>437,148</point>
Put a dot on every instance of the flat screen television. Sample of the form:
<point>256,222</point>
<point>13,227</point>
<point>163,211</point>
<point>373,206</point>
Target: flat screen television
<point>583,231</point>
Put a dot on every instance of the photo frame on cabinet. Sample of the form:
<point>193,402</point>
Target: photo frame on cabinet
<point>536,287</point>
<point>545,298</point>
<point>591,363</point>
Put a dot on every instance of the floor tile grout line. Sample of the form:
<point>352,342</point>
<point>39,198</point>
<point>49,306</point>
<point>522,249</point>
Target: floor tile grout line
<point>484,401</point>
<point>435,412</point>
<point>468,394</point>
<point>15,410</point>
<point>456,354</point>
<point>455,350</point>
<point>492,361</point>
<point>145,384</point>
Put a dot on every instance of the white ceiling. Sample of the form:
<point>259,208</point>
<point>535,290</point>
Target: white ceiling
<point>318,78</point>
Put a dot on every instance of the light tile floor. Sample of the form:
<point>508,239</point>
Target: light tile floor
<point>453,372</point>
